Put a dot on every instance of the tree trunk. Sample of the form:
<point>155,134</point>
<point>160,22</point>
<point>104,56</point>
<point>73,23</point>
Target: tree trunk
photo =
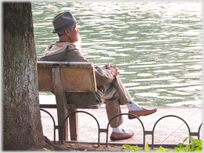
<point>22,129</point>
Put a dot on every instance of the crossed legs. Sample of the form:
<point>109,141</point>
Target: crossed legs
<point>115,95</point>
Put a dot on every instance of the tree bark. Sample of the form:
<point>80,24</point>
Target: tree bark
<point>22,129</point>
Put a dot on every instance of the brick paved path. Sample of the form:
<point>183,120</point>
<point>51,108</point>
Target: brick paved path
<point>169,130</point>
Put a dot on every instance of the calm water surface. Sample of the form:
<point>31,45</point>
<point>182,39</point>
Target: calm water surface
<point>157,46</point>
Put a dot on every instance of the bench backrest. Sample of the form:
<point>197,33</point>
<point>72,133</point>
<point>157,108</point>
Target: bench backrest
<point>61,77</point>
<point>74,76</point>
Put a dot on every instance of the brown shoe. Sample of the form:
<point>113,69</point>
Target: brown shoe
<point>143,112</point>
<point>119,136</point>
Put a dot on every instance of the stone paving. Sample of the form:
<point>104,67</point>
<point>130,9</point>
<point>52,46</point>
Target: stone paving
<point>169,130</point>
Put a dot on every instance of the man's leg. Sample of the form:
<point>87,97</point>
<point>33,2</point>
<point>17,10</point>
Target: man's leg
<point>113,108</point>
<point>111,98</point>
<point>115,95</point>
<point>125,98</point>
<point>124,95</point>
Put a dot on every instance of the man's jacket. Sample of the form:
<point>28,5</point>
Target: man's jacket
<point>65,51</point>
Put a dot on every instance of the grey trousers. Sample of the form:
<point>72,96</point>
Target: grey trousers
<point>115,95</point>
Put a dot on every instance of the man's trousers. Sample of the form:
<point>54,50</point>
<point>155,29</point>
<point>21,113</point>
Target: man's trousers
<point>115,94</point>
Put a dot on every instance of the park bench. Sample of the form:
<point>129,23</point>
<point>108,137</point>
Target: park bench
<point>61,77</point>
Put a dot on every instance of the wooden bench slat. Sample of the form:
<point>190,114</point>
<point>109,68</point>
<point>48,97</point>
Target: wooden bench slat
<point>48,106</point>
<point>53,64</point>
<point>61,101</point>
<point>72,106</point>
<point>75,76</point>
<point>75,80</point>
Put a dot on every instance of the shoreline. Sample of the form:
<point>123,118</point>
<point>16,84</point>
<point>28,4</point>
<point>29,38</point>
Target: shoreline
<point>50,99</point>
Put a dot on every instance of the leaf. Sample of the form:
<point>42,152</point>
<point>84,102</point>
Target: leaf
<point>188,147</point>
<point>190,137</point>
<point>165,149</point>
<point>146,146</point>
<point>185,139</point>
<point>198,142</point>
<point>193,146</point>
<point>175,149</point>
<point>159,149</point>
<point>128,146</point>
<point>182,150</point>
<point>125,145</point>
<point>162,149</point>
<point>47,150</point>
<point>180,145</point>
<point>198,149</point>
<point>137,149</point>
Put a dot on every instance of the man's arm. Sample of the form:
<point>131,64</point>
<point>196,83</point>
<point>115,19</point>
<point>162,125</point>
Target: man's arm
<point>103,75</point>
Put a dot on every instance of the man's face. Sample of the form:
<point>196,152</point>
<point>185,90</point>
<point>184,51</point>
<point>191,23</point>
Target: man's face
<point>73,34</point>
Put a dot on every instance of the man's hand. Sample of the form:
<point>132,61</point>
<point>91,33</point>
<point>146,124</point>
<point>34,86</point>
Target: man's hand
<point>113,69</point>
<point>107,66</point>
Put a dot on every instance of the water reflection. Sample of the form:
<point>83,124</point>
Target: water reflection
<point>156,45</point>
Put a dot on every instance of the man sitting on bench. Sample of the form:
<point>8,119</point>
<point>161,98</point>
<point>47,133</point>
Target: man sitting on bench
<point>109,86</point>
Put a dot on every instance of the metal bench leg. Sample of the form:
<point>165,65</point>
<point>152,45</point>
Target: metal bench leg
<point>73,124</point>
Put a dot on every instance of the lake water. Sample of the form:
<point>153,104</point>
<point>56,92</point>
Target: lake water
<point>157,46</point>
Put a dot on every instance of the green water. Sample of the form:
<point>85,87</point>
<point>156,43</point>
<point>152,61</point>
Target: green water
<point>157,46</point>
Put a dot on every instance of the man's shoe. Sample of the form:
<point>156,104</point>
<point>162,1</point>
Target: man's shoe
<point>143,112</point>
<point>119,136</point>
